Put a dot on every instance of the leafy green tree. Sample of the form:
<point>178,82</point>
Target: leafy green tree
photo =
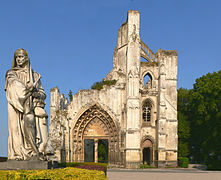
<point>183,135</point>
<point>199,121</point>
<point>183,123</point>
<point>205,120</point>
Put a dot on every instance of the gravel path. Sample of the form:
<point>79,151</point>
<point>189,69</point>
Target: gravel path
<point>162,174</point>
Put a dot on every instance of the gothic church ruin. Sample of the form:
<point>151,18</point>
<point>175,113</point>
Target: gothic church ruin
<point>133,121</point>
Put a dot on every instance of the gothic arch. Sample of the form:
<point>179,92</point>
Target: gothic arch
<point>91,104</point>
<point>148,144</point>
<point>148,72</point>
<point>148,137</point>
<point>95,116</point>
<point>150,101</point>
<point>148,79</point>
<point>147,111</point>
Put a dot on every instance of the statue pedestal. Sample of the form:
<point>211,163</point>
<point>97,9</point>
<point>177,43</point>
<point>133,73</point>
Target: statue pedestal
<point>32,164</point>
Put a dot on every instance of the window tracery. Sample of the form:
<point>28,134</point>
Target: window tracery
<point>146,112</point>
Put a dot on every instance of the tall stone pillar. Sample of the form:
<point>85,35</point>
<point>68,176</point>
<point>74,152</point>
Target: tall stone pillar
<point>132,87</point>
<point>55,102</point>
<point>167,109</point>
<point>161,122</point>
<point>96,150</point>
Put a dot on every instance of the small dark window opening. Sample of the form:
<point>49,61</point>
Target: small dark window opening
<point>146,112</point>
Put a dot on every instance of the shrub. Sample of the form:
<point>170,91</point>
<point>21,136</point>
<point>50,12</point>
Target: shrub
<point>144,166</point>
<point>2,159</point>
<point>55,174</point>
<point>90,165</point>
<point>214,163</point>
<point>99,85</point>
<point>101,152</point>
<point>183,162</point>
<point>93,167</point>
<point>61,165</point>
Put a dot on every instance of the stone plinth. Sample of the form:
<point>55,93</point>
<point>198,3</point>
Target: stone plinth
<point>33,164</point>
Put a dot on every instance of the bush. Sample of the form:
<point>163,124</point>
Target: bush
<point>99,85</point>
<point>55,174</point>
<point>144,166</point>
<point>214,163</point>
<point>183,162</point>
<point>2,159</point>
<point>101,152</point>
<point>93,167</point>
<point>86,165</point>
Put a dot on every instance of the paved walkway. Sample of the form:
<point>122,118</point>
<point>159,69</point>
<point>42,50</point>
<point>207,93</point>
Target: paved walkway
<point>162,174</point>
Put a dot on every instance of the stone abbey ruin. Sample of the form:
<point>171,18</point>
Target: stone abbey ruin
<point>130,122</point>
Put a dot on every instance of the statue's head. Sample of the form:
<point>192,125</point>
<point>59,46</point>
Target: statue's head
<point>20,58</point>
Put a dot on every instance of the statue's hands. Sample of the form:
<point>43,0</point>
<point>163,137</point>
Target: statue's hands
<point>36,95</point>
<point>30,87</point>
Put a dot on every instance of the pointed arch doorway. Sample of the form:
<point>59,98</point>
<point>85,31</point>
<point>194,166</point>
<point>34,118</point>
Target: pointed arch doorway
<point>95,137</point>
<point>147,152</point>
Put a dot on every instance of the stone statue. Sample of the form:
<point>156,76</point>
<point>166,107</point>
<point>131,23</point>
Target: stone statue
<point>28,129</point>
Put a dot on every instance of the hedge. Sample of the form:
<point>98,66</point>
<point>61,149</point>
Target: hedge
<point>86,165</point>
<point>144,166</point>
<point>55,174</point>
<point>2,159</point>
<point>183,162</point>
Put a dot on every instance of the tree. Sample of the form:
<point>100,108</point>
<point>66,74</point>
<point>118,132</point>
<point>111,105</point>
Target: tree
<point>101,152</point>
<point>183,123</point>
<point>70,95</point>
<point>205,120</point>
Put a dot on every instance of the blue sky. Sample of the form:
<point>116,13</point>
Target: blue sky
<point>71,42</point>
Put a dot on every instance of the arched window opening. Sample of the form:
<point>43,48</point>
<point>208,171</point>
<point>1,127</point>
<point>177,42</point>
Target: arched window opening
<point>146,112</point>
<point>147,81</point>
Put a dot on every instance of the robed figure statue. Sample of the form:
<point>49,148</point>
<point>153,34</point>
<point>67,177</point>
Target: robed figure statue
<point>28,128</point>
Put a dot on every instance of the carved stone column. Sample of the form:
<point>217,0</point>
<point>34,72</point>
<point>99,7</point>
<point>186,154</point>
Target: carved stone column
<point>96,150</point>
<point>161,122</point>
<point>133,103</point>
<point>167,109</point>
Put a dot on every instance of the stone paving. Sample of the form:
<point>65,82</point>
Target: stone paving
<point>162,174</point>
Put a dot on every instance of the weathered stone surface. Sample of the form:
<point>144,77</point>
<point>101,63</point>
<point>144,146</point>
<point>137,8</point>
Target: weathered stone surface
<point>32,164</point>
<point>121,107</point>
<point>28,125</point>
